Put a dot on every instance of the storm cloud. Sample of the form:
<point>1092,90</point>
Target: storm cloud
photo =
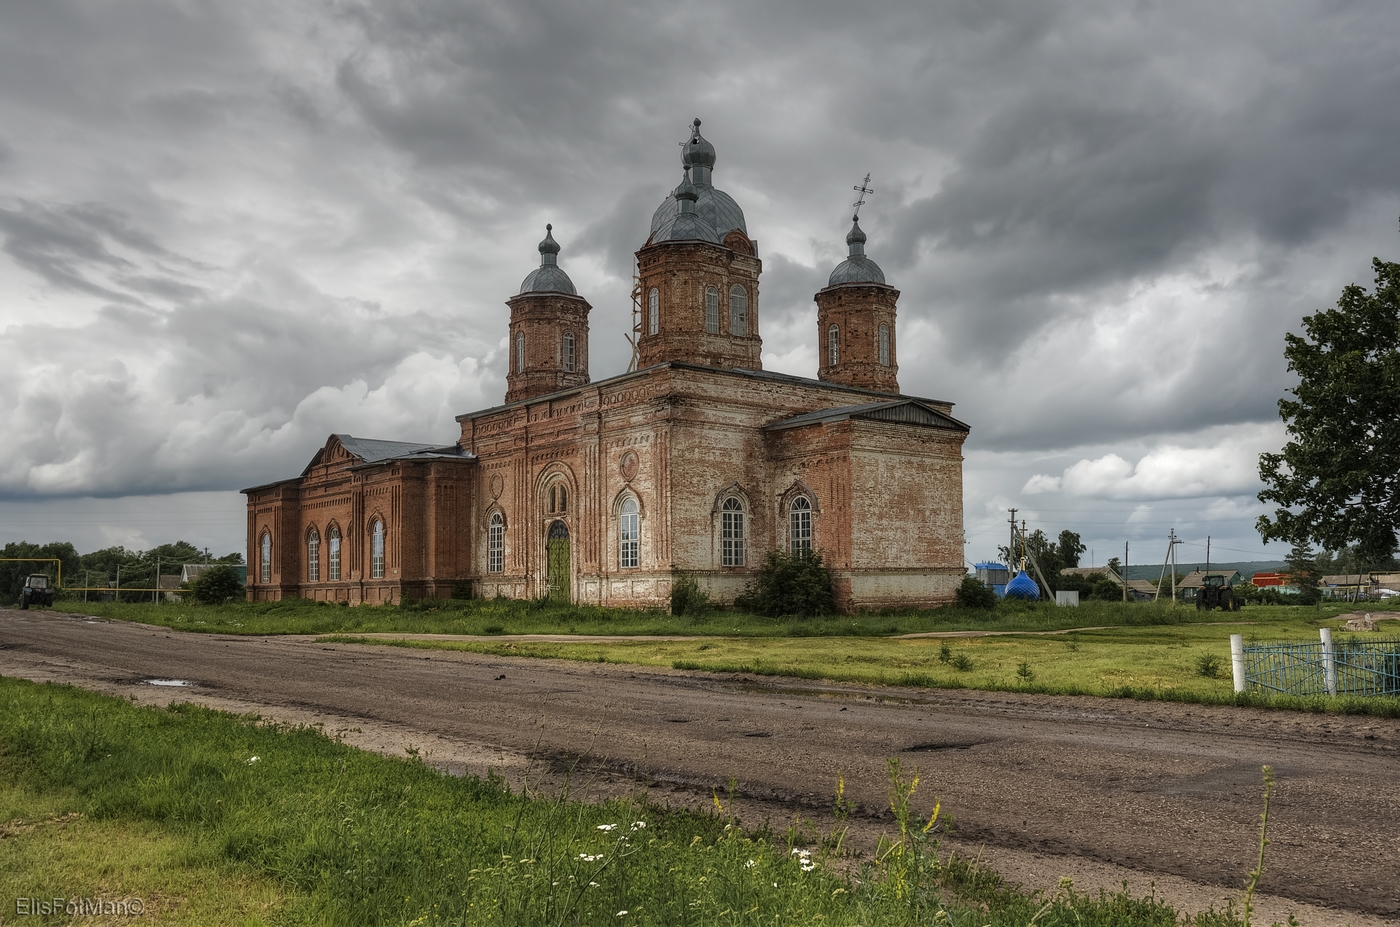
<point>228,230</point>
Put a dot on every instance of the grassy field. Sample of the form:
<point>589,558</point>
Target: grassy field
<point>209,818</point>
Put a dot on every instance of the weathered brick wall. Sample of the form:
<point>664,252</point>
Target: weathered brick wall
<point>681,272</point>
<point>858,311</point>
<point>544,318</point>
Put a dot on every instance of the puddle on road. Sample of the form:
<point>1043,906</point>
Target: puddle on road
<point>174,683</point>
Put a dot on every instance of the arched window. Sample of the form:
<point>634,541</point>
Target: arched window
<point>653,311</point>
<point>568,352</point>
<point>265,558</point>
<point>712,310</point>
<point>738,311</point>
<point>496,544</point>
<point>558,498</point>
<point>333,554</point>
<point>731,532</point>
<point>629,531</point>
<point>313,556</point>
<point>884,345</point>
<point>520,352</point>
<point>833,346</point>
<point>800,527</point>
<point>376,550</point>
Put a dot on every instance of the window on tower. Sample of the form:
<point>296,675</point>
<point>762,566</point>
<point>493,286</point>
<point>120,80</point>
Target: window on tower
<point>520,353</point>
<point>712,310</point>
<point>738,311</point>
<point>884,345</point>
<point>833,346</point>
<point>653,311</point>
<point>568,352</point>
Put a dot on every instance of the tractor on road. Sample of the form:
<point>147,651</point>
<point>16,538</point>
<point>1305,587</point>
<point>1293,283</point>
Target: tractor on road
<point>36,591</point>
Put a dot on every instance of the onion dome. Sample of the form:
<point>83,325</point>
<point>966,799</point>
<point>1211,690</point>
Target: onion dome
<point>1023,587</point>
<point>688,225</point>
<point>698,152</point>
<point>857,268</point>
<point>549,278</point>
<point>714,206</point>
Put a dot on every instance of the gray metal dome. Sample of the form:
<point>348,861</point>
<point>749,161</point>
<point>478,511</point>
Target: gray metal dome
<point>857,268</point>
<point>715,207</point>
<point>687,224</point>
<point>549,277</point>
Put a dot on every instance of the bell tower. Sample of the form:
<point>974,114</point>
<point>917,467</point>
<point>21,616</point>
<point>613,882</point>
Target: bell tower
<point>548,330</point>
<point>698,274</point>
<point>855,322</point>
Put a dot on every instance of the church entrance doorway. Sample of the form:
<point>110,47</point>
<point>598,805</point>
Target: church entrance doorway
<point>558,575</point>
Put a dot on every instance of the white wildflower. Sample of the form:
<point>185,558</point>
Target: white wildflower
<point>639,825</point>
<point>750,864</point>
<point>607,826</point>
<point>252,760</point>
<point>621,913</point>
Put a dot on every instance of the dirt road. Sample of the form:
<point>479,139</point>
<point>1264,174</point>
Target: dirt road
<point>1094,789</point>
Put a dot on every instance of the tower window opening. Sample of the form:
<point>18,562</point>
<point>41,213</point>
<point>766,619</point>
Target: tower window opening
<point>520,353</point>
<point>738,311</point>
<point>653,311</point>
<point>568,352</point>
<point>712,310</point>
<point>884,345</point>
<point>833,346</point>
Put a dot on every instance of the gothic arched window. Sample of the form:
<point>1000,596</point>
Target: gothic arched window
<point>738,311</point>
<point>558,499</point>
<point>376,550</point>
<point>333,554</point>
<point>520,353</point>
<point>731,532</point>
<point>629,533</point>
<point>265,558</point>
<point>653,311</point>
<point>313,556</point>
<point>712,310</point>
<point>496,544</point>
<point>833,346</point>
<point>567,350</point>
<point>884,345</point>
<point>800,526</point>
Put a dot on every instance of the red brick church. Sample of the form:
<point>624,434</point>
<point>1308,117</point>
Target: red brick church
<point>696,463</point>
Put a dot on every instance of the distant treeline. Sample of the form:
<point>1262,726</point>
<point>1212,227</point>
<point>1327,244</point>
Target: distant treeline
<point>99,568</point>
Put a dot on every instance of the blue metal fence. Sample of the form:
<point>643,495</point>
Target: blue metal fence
<point>1363,667</point>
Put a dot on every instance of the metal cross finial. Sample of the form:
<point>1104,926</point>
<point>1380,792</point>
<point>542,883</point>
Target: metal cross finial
<point>864,190</point>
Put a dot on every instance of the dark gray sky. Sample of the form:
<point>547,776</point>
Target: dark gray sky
<point>228,230</point>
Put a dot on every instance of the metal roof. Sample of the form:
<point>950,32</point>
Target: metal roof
<point>374,450</point>
<point>548,278</point>
<point>897,411</point>
<point>714,207</point>
<point>856,269</point>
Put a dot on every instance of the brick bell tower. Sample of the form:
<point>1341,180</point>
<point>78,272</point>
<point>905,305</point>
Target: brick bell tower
<point>548,330</point>
<point>698,274</point>
<point>855,322</point>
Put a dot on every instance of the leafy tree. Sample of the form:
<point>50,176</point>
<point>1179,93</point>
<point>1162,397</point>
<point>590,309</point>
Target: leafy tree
<point>1302,571</point>
<point>181,552</point>
<point>216,585</point>
<point>1337,480</point>
<point>796,585</point>
<point>974,594</point>
<point>12,574</point>
<point>1116,566</point>
<point>1069,549</point>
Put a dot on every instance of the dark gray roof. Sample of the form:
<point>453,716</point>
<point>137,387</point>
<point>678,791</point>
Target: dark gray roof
<point>714,207</point>
<point>898,411</point>
<point>548,278</point>
<point>374,450</point>
<point>856,269</point>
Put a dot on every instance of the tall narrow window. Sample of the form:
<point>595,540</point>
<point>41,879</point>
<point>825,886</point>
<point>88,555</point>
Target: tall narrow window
<point>558,498</point>
<point>563,498</point>
<point>333,554</point>
<point>265,559</point>
<point>712,310</point>
<point>800,527</point>
<point>520,353</point>
<point>833,346</point>
<point>653,311</point>
<point>568,352</point>
<point>732,532</point>
<point>738,311</point>
<point>376,550</point>
<point>884,345</point>
<point>496,544</point>
<point>630,533</point>
<point>313,556</point>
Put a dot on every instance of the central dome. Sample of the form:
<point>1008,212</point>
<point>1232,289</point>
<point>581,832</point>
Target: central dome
<point>715,207</point>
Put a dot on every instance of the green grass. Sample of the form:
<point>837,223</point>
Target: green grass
<point>514,616</point>
<point>227,818</point>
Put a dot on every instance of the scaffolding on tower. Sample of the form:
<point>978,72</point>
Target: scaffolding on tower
<point>635,338</point>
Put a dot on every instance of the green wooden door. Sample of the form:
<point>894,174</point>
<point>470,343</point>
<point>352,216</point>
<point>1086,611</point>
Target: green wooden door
<point>560,577</point>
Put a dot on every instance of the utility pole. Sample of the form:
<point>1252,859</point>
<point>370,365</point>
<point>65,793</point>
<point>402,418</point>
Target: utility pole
<point>1172,541</point>
<point>1172,537</point>
<point>1124,577</point>
<point>1011,549</point>
<point>1207,553</point>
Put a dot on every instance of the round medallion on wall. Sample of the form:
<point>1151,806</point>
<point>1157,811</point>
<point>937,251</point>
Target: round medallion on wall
<point>628,466</point>
<point>497,484</point>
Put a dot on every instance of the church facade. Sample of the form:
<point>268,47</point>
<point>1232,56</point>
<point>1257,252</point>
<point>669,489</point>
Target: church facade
<point>696,463</point>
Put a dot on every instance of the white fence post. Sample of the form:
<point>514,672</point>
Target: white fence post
<point>1237,660</point>
<point>1329,661</point>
